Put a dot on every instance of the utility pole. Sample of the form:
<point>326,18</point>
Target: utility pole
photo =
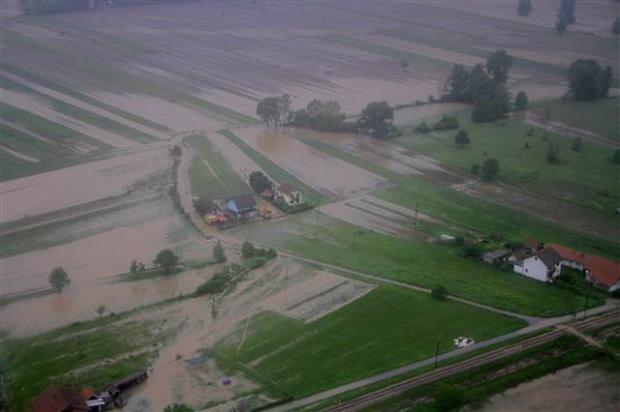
<point>415,216</point>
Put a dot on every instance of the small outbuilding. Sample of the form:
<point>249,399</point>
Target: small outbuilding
<point>289,194</point>
<point>496,256</point>
<point>241,206</point>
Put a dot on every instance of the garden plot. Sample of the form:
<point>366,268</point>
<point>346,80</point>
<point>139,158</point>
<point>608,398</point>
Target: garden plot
<point>46,192</point>
<point>324,173</point>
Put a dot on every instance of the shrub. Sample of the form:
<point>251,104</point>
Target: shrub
<point>616,156</point>
<point>218,253</point>
<point>448,398</point>
<point>472,251</point>
<point>259,182</point>
<point>166,259</point>
<point>490,169</point>
<point>474,169</point>
<point>422,128</point>
<point>439,292</point>
<point>462,138</point>
<point>552,153</point>
<point>248,250</point>
<point>577,144</point>
<point>447,123</point>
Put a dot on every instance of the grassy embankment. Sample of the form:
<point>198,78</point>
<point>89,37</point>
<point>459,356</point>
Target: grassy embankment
<point>387,328</point>
<point>276,172</point>
<point>221,180</point>
<point>93,353</point>
<point>417,263</point>
<point>601,116</point>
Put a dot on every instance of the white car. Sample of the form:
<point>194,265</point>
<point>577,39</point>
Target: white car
<point>462,342</point>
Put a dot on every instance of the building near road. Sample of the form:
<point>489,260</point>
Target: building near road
<point>544,265</point>
<point>496,256</point>
<point>242,206</point>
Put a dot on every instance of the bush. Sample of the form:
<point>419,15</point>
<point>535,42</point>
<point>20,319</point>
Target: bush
<point>166,259</point>
<point>248,250</point>
<point>462,138</point>
<point>490,169</point>
<point>474,169</point>
<point>448,398</point>
<point>439,292</point>
<point>616,156</point>
<point>577,144</point>
<point>422,128</point>
<point>521,100</point>
<point>472,251</point>
<point>447,123</point>
<point>259,182</point>
<point>552,153</point>
<point>218,253</point>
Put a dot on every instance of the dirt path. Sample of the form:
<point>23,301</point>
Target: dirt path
<point>537,120</point>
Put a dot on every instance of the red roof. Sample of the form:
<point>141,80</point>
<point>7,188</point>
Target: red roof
<point>603,270</point>
<point>567,253</point>
<point>532,243</point>
<point>59,399</point>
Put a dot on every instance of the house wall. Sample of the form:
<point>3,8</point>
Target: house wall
<point>289,199</point>
<point>532,267</point>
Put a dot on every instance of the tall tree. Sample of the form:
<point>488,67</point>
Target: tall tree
<point>59,279</point>
<point>376,119</point>
<point>483,110</point>
<point>457,88</point>
<point>498,64</point>
<point>586,80</point>
<point>166,259</point>
<point>521,100</point>
<point>480,84</point>
<point>268,109</point>
<point>524,7</point>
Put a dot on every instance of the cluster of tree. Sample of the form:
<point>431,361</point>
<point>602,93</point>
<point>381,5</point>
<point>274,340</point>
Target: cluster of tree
<point>566,15</point>
<point>274,110</point>
<point>447,123</point>
<point>588,81</point>
<point>323,116</point>
<point>166,259</point>
<point>218,253</point>
<point>484,86</point>
<point>488,171</point>
<point>135,266</point>
<point>524,8</point>
<point>61,6</point>
<point>249,251</point>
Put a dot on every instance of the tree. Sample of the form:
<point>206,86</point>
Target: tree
<point>100,310</point>
<point>166,259</point>
<point>474,169</point>
<point>284,106</point>
<point>59,279</point>
<point>178,407</point>
<point>314,108</point>
<point>490,169</point>
<point>439,292</point>
<point>615,27</point>
<point>461,138</point>
<point>479,84</point>
<point>577,144</point>
<point>176,150</point>
<point>448,398</point>
<point>248,250</point>
<point>259,182</point>
<point>498,64</point>
<point>404,64</point>
<point>521,100</point>
<point>376,119</point>
<point>133,267</point>
<point>218,253</point>
<point>268,109</point>
<point>500,102</point>
<point>560,25</point>
<point>483,110</point>
<point>616,156</point>
<point>586,80</point>
<point>567,11</point>
<point>552,152</point>
<point>524,7</point>
<point>457,87</point>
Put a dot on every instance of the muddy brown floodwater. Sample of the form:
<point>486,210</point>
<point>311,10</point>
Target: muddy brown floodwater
<point>324,173</point>
<point>579,388</point>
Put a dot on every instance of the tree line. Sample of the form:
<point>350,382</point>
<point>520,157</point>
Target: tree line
<point>63,6</point>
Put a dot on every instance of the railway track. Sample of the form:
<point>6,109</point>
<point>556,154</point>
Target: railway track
<point>468,364</point>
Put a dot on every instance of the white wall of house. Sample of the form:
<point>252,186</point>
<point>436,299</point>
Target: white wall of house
<point>292,198</point>
<point>532,267</point>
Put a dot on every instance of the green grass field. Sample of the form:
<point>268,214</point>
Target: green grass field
<point>310,195</point>
<point>387,328</point>
<point>587,178</point>
<point>74,355</point>
<point>417,263</point>
<point>225,182</point>
<point>600,116</point>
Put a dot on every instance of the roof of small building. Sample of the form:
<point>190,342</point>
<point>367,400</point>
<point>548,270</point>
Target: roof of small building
<point>57,398</point>
<point>603,270</point>
<point>87,392</point>
<point>243,202</point>
<point>533,243</point>
<point>288,188</point>
<point>522,253</point>
<point>549,257</point>
<point>497,254</point>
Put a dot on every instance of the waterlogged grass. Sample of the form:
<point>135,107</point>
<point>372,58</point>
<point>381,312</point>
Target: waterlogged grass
<point>387,328</point>
<point>220,182</point>
<point>310,195</point>
<point>599,116</point>
<point>80,114</point>
<point>587,177</point>
<point>74,355</point>
<point>329,240</point>
<point>50,84</point>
